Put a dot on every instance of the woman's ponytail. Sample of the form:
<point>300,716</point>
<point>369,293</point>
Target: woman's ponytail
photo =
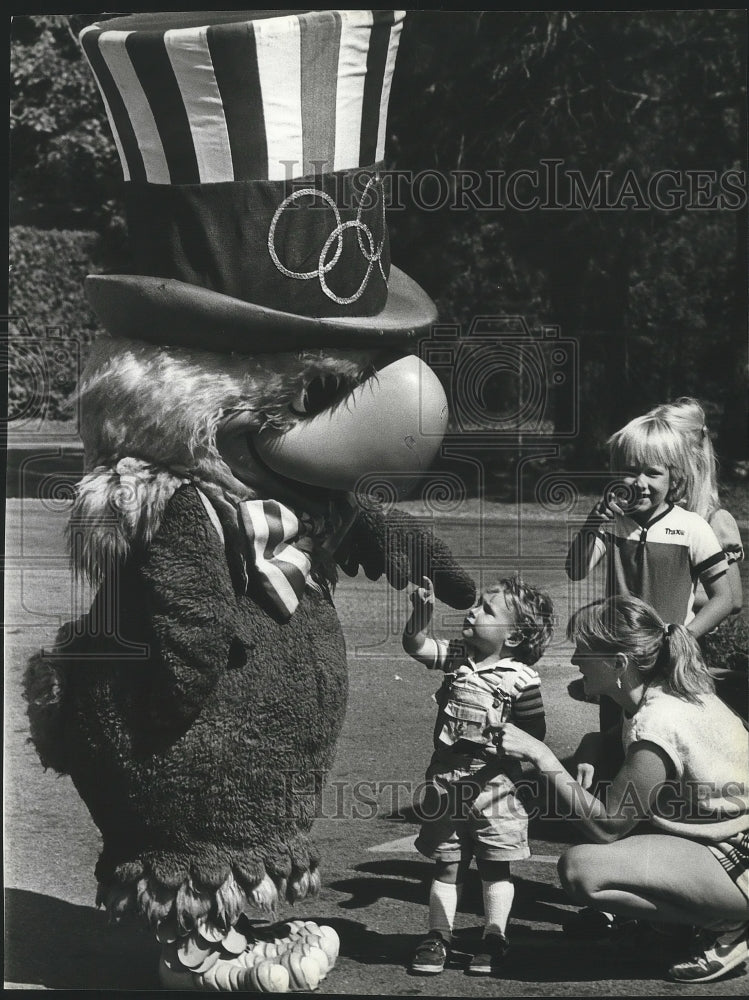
<point>681,669</point>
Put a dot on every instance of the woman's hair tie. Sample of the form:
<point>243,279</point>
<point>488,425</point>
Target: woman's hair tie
<point>667,629</point>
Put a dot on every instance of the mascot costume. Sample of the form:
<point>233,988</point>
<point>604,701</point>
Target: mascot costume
<point>257,372</point>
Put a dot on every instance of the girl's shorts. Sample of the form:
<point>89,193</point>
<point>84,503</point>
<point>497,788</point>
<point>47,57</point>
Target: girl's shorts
<point>471,811</point>
<point>733,855</point>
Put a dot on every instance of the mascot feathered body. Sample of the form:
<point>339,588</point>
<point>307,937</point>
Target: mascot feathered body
<point>230,425</point>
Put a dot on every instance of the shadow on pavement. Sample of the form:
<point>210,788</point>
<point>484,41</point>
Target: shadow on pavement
<point>60,945</point>
<point>536,955</point>
<point>540,956</point>
<point>408,880</point>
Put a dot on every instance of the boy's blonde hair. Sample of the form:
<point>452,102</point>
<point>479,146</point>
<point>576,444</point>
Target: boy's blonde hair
<point>667,654</point>
<point>687,417</point>
<point>651,439</point>
<point>534,615</point>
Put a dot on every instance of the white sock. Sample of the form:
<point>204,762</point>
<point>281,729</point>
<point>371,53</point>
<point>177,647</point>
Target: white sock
<point>443,904</point>
<point>498,897</point>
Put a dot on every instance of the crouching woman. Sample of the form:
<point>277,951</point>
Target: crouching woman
<point>671,840</point>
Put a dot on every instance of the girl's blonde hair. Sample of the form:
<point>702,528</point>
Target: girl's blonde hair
<point>651,440</point>
<point>665,654</point>
<point>687,418</point>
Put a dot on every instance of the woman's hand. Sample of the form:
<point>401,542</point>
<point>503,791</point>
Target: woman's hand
<point>520,745</point>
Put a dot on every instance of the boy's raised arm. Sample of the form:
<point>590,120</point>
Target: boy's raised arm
<point>422,647</point>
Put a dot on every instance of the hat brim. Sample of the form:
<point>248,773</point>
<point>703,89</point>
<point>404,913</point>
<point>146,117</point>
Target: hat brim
<point>170,312</point>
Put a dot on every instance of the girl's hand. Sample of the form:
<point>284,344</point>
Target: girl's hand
<point>520,745</point>
<point>607,508</point>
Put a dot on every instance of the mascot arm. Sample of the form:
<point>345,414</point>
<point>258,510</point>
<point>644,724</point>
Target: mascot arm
<point>401,547</point>
<point>192,608</point>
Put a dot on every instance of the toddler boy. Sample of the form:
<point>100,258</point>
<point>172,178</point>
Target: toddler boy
<point>471,807</point>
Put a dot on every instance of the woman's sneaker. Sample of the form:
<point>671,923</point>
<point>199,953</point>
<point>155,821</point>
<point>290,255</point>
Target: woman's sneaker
<point>713,956</point>
<point>431,955</point>
<point>490,960</point>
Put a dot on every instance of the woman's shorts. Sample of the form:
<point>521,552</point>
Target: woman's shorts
<point>733,855</point>
<point>471,811</point>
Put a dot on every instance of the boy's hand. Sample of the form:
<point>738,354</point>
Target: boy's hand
<point>422,599</point>
<point>584,776</point>
<point>587,758</point>
<point>424,595</point>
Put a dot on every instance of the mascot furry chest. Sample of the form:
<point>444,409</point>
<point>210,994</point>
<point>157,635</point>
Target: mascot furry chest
<point>258,374</point>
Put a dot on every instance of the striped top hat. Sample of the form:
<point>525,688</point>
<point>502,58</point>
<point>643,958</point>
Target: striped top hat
<point>251,145</point>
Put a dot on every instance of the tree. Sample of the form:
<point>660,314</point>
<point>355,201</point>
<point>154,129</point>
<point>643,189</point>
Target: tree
<point>618,95</point>
<point>64,167</point>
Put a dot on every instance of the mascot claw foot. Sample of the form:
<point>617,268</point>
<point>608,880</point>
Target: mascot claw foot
<point>210,959</point>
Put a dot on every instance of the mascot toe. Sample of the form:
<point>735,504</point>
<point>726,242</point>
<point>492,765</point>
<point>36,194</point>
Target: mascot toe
<point>257,377</point>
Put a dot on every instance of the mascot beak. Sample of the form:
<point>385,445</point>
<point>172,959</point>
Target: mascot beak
<point>391,424</point>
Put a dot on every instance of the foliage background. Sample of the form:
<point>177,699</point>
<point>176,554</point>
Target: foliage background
<point>656,299</point>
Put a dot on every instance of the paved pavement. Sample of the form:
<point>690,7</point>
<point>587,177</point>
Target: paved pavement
<point>375,884</point>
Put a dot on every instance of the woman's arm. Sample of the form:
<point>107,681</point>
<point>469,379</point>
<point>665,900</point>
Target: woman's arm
<point>630,798</point>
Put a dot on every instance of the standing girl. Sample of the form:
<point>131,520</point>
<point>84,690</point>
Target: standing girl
<point>725,648</point>
<point>653,547</point>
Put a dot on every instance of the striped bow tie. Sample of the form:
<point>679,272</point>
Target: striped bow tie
<point>283,569</point>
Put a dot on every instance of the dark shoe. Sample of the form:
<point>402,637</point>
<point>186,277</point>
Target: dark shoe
<point>430,955</point>
<point>490,960</point>
<point>713,955</point>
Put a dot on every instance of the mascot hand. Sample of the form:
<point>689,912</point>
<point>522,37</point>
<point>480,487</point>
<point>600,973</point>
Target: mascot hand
<point>406,551</point>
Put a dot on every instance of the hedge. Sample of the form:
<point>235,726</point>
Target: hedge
<point>50,323</point>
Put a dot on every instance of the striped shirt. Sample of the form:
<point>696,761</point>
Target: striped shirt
<point>662,561</point>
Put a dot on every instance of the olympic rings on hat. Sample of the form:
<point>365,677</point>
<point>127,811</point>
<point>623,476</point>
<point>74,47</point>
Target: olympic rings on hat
<point>373,255</point>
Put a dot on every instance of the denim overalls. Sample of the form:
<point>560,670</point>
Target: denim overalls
<point>473,704</point>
